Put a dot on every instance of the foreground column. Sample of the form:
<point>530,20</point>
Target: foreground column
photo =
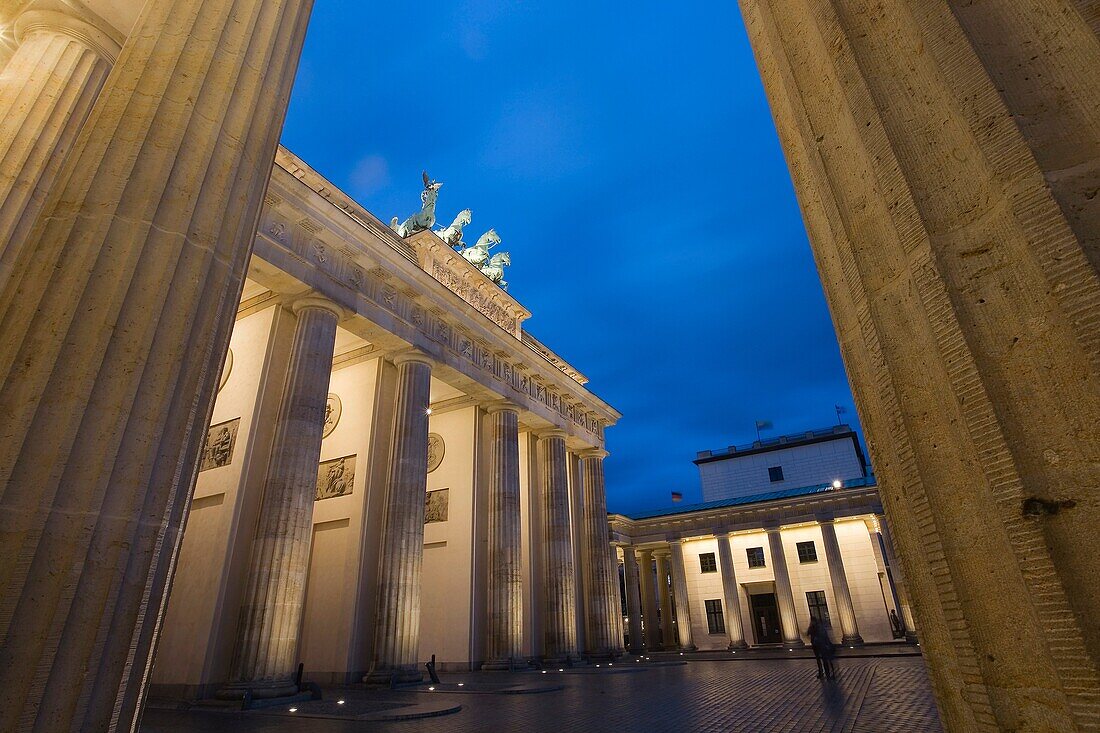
<point>841,593</point>
<point>947,164</point>
<point>603,604</point>
<point>397,639</point>
<point>266,658</point>
<point>729,591</point>
<point>111,343</point>
<point>505,602</point>
<point>684,631</point>
<point>46,92</point>
<point>633,601</point>
<point>649,600</point>
<point>559,617</point>
<point>784,596</point>
<point>668,638</point>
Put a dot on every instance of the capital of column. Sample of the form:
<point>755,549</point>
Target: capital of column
<point>317,302</point>
<point>100,37</point>
<point>496,406</point>
<point>552,433</point>
<point>411,356</point>
<point>593,453</point>
<point>771,527</point>
<point>721,534</point>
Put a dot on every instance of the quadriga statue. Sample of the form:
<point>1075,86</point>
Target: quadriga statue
<point>425,218</point>
<point>452,235</point>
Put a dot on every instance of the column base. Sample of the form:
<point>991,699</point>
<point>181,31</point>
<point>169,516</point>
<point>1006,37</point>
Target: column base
<point>795,644</point>
<point>736,646</point>
<point>567,660</point>
<point>688,648</point>
<point>853,640</point>
<point>260,690</point>
<point>911,637</point>
<point>504,665</point>
<point>602,654</point>
<point>396,676</point>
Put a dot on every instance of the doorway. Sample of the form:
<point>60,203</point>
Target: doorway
<point>765,618</point>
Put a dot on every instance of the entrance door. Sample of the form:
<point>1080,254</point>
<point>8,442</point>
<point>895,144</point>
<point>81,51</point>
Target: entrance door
<point>765,618</point>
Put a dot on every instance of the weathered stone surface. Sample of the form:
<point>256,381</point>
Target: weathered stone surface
<point>841,593</point>
<point>734,627</point>
<point>604,637</point>
<point>784,596</point>
<point>559,588</point>
<point>112,337</point>
<point>633,599</point>
<point>680,589</point>
<point>946,158</point>
<point>505,602</point>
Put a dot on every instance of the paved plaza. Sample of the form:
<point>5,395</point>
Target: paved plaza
<point>872,695</point>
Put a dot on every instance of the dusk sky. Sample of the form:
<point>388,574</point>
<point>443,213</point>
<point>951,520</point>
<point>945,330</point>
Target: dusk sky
<point>626,155</point>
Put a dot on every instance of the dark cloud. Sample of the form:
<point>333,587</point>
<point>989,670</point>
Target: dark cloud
<point>628,159</point>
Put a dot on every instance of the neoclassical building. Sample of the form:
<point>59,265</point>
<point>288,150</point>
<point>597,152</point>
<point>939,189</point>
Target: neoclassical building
<point>394,469</point>
<point>793,529</point>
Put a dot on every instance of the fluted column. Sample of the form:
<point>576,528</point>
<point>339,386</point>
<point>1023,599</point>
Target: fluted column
<point>649,600</point>
<point>896,575</point>
<point>397,635</point>
<point>633,599</point>
<point>559,617</point>
<point>46,92</point>
<point>266,656</point>
<point>667,632</point>
<point>684,632</point>
<point>505,602</point>
<point>841,593</point>
<point>729,591</point>
<point>111,343</point>
<point>784,596</point>
<point>602,585</point>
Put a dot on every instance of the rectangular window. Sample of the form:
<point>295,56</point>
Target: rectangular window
<point>715,622</point>
<point>807,552</point>
<point>756,557</point>
<point>707,563</point>
<point>815,599</point>
<point>775,473</point>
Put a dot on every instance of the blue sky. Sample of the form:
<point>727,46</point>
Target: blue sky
<point>627,157</point>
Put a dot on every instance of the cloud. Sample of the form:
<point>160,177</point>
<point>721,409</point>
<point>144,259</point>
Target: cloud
<point>369,176</point>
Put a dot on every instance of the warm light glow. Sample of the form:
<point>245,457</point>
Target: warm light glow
<point>428,411</point>
<point>460,684</point>
<point>339,702</point>
<point>431,688</point>
<point>837,483</point>
<point>294,710</point>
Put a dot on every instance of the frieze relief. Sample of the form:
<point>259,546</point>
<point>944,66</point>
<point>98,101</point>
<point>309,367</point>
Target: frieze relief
<point>378,285</point>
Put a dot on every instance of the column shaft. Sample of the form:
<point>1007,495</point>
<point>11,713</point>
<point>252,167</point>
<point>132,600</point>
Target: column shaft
<point>684,631</point>
<point>46,93</point>
<point>266,657</point>
<point>841,593</point>
<point>602,594</point>
<point>633,599</point>
<point>668,630</point>
<point>729,591</point>
<point>649,600</point>
<point>505,602</point>
<point>784,596</point>
<point>113,338</point>
<point>397,639</point>
<point>559,618</point>
<point>897,578</point>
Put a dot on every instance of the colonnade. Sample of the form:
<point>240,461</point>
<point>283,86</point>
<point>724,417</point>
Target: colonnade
<point>660,619</point>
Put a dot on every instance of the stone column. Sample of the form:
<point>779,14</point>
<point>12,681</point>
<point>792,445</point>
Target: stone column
<point>602,586</point>
<point>46,92</point>
<point>896,576</point>
<point>266,657</point>
<point>841,593</point>
<point>113,339</point>
<point>505,602</point>
<point>947,164</point>
<point>559,617</point>
<point>730,594</point>
<point>649,600</point>
<point>633,600</point>
<point>397,637</point>
<point>667,632</point>
<point>784,596</point>
<point>684,631</point>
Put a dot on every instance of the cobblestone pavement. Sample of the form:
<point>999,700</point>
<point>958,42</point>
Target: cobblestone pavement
<point>870,696</point>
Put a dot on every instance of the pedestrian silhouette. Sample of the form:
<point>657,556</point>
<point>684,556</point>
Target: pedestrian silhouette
<point>823,647</point>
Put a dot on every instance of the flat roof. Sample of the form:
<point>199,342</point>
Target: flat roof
<point>855,483</point>
<point>806,437</point>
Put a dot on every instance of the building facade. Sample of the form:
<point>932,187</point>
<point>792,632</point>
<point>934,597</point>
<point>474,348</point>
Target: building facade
<point>394,469</point>
<point>753,567</point>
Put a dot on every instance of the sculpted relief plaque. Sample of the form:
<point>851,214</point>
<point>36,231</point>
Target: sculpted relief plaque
<point>436,449</point>
<point>333,410</point>
<point>335,478</point>
<point>435,505</point>
<point>227,367</point>
<point>217,451</point>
